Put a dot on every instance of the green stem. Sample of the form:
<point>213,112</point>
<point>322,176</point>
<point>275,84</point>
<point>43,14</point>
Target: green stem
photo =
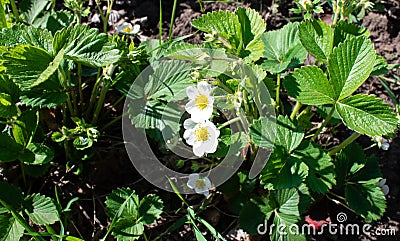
<point>171,25</point>
<point>69,104</point>
<point>21,220</point>
<point>337,13</point>
<point>201,6</point>
<point>345,143</point>
<point>327,119</point>
<point>231,121</point>
<point>100,103</point>
<point>95,91</point>
<point>14,9</point>
<point>113,121</point>
<point>278,89</point>
<point>295,110</point>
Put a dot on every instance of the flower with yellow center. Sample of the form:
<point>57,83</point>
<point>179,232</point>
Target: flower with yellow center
<point>201,185</point>
<point>203,136</point>
<point>200,106</point>
<point>128,29</point>
<point>305,3</point>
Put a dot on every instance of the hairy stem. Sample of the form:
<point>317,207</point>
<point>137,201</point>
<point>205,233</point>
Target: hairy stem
<point>345,143</point>
<point>278,89</point>
<point>327,119</point>
<point>295,110</point>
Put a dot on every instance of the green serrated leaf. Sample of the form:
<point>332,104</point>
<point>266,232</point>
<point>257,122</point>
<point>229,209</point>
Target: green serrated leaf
<point>43,98</point>
<point>10,229</point>
<point>262,132</point>
<point>283,49</point>
<point>345,30</point>
<point>224,23</point>
<point>117,198</point>
<point>321,171</point>
<point>28,66</point>
<point>252,24</point>
<point>150,208</point>
<point>317,37</point>
<point>310,86</point>
<point>24,127</point>
<point>42,154</point>
<point>366,199</point>
<point>23,35</point>
<point>288,135</point>
<point>367,115</point>
<point>41,209</point>
<point>86,45</point>
<point>36,8</point>
<point>350,64</point>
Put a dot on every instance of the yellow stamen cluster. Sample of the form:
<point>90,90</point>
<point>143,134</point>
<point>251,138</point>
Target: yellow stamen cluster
<point>200,184</point>
<point>201,134</point>
<point>201,101</point>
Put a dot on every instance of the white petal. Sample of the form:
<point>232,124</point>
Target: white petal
<point>136,29</point>
<point>385,189</point>
<point>190,107</point>
<point>189,124</point>
<point>198,115</point>
<point>381,182</point>
<point>199,149</point>
<point>192,92</point>
<point>204,88</point>
<point>205,192</point>
<point>189,137</point>
<point>192,180</point>
<point>385,146</point>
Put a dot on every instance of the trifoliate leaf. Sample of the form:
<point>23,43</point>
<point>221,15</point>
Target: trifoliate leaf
<point>283,49</point>
<point>350,64</point>
<point>317,37</point>
<point>40,209</point>
<point>309,85</point>
<point>367,115</point>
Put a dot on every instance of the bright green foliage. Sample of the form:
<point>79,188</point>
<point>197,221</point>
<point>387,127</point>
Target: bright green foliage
<point>344,30</point>
<point>9,93</point>
<point>317,37</point>
<point>22,34</point>
<point>28,66</point>
<point>350,64</point>
<point>283,49</point>
<point>168,81</point>
<point>239,31</point>
<point>288,135</point>
<point>262,132</point>
<point>367,114</point>
<point>85,45</point>
<point>310,86</point>
<point>285,204</point>
<point>40,209</point>
<point>129,215</point>
<point>43,99</point>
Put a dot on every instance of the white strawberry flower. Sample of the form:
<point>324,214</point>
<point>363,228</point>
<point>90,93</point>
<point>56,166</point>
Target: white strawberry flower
<point>305,3</point>
<point>382,143</point>
<point>203,136</point>
<point>200,106</point>
<point>201,185</point>
<point>128,29</point>
<point>383,186</point>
